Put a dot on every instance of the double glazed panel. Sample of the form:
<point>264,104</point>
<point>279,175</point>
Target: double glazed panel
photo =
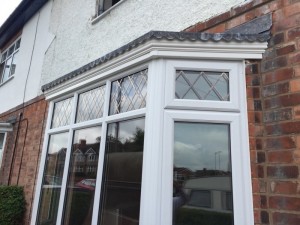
<point>129,93</point>
<point>52,179</point>
<point>82,176</point>
<point>202,179</point>
<point>90,104</point>
<point>62,113</point>
<point>122,173</point>
<point>202,85</point>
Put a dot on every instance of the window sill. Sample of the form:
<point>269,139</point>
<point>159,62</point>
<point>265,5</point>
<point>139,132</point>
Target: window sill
<point>10,78</point>
<point>99,17</point>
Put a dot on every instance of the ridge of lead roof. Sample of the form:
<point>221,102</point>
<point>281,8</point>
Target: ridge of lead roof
<point>159,35</point>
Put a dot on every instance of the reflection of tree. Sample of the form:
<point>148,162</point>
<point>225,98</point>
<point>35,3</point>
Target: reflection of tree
<point>132,144</point>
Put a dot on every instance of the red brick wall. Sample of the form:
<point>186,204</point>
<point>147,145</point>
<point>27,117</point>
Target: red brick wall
<point>273,93</point>
<point>22,154</point>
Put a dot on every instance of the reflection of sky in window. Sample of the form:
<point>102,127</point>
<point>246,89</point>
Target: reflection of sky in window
<point>57,142</point>
<point>91,135</point>
<point>202,85</point>
<point>201,145</point>
<point>127,129</point>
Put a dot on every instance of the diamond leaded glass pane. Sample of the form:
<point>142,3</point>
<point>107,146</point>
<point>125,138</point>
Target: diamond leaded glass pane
<point>129,93</point>
<point>202,85</point>
<point>90,104</point>
<point>62,113</point>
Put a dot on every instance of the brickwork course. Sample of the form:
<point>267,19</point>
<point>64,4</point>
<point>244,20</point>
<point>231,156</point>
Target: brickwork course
<point>273,97</point>
<point>23,148</point>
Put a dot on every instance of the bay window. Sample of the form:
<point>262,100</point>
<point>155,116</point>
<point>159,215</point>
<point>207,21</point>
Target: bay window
<point>156,136</point>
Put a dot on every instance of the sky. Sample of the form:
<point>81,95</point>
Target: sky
<point>7,7</point>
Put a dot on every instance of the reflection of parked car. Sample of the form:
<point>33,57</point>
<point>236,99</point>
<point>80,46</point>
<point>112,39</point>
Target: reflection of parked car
<point>52,180</point>
<point>88,184</point>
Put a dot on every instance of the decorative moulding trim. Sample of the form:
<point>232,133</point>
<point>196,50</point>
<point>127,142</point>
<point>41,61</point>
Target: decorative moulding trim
<point>165,44</point>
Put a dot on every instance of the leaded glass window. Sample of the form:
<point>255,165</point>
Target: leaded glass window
<point>129,93</point>
<point>62,113</point>
<point>202,85</point>
<point>90,104</point>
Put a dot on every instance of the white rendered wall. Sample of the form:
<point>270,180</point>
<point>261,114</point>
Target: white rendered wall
<point>79,42</point>
<point>25,84</point>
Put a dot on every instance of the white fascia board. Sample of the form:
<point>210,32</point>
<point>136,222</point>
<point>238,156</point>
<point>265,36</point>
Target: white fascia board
<point>155,49</point>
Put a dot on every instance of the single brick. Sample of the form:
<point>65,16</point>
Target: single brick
<point>282,172</point>
<point>286,218</point>
<point>278,115</point>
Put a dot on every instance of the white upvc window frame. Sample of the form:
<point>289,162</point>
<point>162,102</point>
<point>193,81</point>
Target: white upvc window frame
<point>239,158</point>
<point>235,80</point>
<point>71,128</point>
<point>4,128</point>
<point>3,147</point>
<point>162,59</point>
<point>8,57</point>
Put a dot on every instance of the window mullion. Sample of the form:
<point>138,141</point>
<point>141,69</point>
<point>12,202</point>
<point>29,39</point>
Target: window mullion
<point>67,163</point>
<point>101,155</point>
<point>151,191</point>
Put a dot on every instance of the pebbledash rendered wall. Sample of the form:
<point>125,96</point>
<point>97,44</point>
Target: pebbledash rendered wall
<point>81,38</point>
<point>273,90</point>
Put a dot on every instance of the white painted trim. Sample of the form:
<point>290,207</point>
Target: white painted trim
<point>161,49</point>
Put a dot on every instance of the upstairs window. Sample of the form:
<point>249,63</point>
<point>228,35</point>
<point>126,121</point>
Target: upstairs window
<point>104,5</point>
<point>9,59</point>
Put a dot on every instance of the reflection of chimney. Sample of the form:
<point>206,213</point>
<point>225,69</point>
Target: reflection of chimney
<point>82,142</point>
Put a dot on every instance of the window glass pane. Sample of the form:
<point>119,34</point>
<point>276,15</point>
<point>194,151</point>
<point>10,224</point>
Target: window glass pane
<point>129,93</point>
<point>11,50</point>
<point>121,185</point>
<point>202,85</point>
<point>62,113</point>
<point>6,69</point>
<point>82,176</point>
<point>52,180</point>
<point>106,4</point>
<point>1,146</point>
<point>1,70</point>
<point>90,104</point>
<point>3,56</point>
<point>14,64</point>
<point>18,44</point>
<point>202,174</point>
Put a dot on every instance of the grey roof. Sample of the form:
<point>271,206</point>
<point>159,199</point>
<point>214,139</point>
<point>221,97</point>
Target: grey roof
<point>159,35</point>
<point>19,17</point>
<point>258,25</point>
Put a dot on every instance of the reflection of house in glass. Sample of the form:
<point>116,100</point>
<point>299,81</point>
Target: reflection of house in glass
<point>85,158</point>
<point>181,174</point>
